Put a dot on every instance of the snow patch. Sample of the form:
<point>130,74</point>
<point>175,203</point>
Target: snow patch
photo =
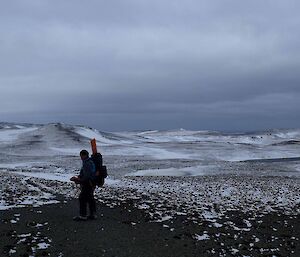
<point>205,236</point>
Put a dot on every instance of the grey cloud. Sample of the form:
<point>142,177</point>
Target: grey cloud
<point>152,61</point>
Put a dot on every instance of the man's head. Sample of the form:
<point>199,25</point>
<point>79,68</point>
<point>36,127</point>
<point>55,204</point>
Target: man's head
<point>84,154</point>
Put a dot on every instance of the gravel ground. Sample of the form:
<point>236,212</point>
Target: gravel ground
<point>123,230</point>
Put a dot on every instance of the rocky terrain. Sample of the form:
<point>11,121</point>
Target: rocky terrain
<point>190,193</point>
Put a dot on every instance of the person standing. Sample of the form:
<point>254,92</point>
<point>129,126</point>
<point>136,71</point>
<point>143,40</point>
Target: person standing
<point>86,196</point>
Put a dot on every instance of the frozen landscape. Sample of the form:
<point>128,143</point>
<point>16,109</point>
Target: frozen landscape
<point>226,182</point>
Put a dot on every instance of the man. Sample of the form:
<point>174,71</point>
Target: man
<point>86,196</point>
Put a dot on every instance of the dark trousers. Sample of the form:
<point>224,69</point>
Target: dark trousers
<point>86,196</point>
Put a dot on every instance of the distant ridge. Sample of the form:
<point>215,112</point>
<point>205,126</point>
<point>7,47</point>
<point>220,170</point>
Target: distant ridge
<point>270,131</point>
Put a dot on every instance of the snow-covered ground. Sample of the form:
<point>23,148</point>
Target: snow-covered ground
<point>189,171</point>
<point>203,176</point>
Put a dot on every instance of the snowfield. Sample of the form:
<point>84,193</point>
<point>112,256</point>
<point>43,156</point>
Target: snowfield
<point>226,181</point>
<point>202,175</point>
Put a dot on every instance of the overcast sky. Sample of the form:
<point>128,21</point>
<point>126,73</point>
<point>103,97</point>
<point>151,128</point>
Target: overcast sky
<point>160,64</point>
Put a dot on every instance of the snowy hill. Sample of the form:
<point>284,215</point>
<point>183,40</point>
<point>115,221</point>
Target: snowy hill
<point>45,139</point>
<point>176,152</point>
<point>56,139</point>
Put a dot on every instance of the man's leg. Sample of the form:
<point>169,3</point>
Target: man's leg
<point>92,202</point>
<point>83,199</point>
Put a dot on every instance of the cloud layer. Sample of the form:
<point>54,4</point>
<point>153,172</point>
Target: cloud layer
<point>135,64</point>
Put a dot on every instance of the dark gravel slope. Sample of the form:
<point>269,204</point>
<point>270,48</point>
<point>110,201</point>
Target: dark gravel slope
<point>125,231</point>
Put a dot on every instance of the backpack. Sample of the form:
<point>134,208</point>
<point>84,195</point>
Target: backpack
<point>101,170</point>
